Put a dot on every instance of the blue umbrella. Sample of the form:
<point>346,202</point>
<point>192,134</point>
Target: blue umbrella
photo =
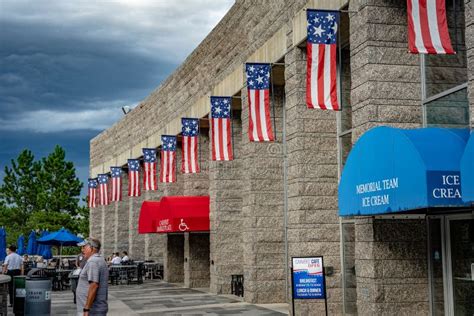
<point>45,250</point>
<point>40,247</point>
<point>21,245</point>
<point>3,244</point>
<point>31,249</point>
<point>62,237</point>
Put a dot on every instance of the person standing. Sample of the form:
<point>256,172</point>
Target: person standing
<point>12,266</point>
<point>92,287</point>
<point>125,257</point>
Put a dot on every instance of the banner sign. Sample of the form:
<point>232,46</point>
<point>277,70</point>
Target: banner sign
<point>308,278</point>
<point>444,188</point>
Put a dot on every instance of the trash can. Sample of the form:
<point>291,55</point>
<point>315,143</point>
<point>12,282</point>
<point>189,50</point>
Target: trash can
<point>19,294</point>
<point>38,294</point>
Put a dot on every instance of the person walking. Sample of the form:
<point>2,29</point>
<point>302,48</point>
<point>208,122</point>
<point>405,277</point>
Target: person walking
<point>92,287</point>
<point>12,266</point>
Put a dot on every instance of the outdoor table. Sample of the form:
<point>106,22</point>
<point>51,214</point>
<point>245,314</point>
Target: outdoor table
<point>119,272</point>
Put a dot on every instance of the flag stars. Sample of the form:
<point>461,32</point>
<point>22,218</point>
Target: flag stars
<point>330,17</point>
<point>259,79</point>
<point>318,31</point>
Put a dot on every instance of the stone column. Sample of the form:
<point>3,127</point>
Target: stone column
<point>173,253</point>
<point>108,229</point>
<point>137,241</point>
<point>391,267</point>
<point>469,16</point>
<point>313,222</point>
<point>154,244</point>
<point>116,207</point>
<point>123,212</point>
<point>225,185</point>
<point>262,211</point>
<point>390,255</point>
<point>196,245</point>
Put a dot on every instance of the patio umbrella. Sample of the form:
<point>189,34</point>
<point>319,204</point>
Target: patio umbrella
<point>3,244</point>
<point>31,249</point>
<point>45,250</point>
<point>21,245</point>
<point>60,238</point>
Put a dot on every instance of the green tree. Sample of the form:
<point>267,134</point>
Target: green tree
<point>60,188</point>
<point>41,194</point>
<point>20,186</point>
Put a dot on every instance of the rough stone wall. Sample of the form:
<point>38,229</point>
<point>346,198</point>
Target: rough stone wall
<point>313,223</point>
<point>95,222</point>
<point>136,241</point>
<point>262,210</point>
<point>225,179</point>
<point>198,183</point>
<point>469,21</point>
<point>391,267</point>
<point>108,244</point>
<point>154,243</point>
<point>196,260</point>
<point>386,87</point>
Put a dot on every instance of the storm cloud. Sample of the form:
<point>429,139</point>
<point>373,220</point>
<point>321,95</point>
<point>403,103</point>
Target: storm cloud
<point>67,67</point>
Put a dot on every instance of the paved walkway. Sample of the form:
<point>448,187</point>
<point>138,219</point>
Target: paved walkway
<point>161,298</point>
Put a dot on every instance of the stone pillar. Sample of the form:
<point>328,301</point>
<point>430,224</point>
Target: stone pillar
<point>137,241</point>
<point>313,222</point>
<point>174,258</point>
<point>469,22</point>
<point>123,211</point>
<point>262,211</point>
<point>108,228</point>
<point>196,245</point>
<point>196,260</point>
<point>391,267</point>
<point>173,252</point>
<point>154,244</point>
<point>116,208</point>
<point>225,185</point>
<point>386,86</point>
<point>95,221</point>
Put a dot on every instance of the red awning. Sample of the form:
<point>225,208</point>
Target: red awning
<point>183,214</point>
<point>148,216</point>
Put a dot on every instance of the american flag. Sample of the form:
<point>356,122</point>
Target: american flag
<point>103,180</point>
<point>221,136</point>
<point>427,27</point>
<point>168,159</point>
<point>116,174</point>
<point>190,133</point>
<point>134,177</point>
<point>149,164</point>
<point>92,185</point>
<point>321,48</point>
<point>258,87</point>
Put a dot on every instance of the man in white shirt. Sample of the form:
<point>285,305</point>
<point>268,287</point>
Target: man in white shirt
<point>12,266</point>
<point>125,257</point>
<point>116,259</point>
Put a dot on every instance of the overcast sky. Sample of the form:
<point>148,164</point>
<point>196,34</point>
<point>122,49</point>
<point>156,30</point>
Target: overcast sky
<point>67,67</point>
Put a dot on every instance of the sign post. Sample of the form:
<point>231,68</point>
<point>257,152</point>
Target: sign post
<point>308,280</point>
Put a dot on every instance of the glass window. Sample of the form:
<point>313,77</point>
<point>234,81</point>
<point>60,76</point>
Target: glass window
<point>451,110</point>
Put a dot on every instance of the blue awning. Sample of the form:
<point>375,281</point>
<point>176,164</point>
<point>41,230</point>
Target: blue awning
<point>467,171</point>
<point>393,170</point>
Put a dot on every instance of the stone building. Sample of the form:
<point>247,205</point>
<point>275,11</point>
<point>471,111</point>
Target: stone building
<point>278,200</point>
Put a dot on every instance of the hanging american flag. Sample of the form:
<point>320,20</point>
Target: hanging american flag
<point>221,136</point>
<point>103,180</point>
<point>134,177</point>
<point>428,28</point>
<point>321,49</point>
<point>116,175</point>
<point>258,87</point>
<point>149,166</point>
<point>168,159</point>
<point>92,194</point>
<point>190,133</point>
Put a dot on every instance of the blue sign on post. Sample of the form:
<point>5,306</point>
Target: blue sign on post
<point>308,278</point>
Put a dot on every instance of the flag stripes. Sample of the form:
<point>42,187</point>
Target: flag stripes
<point>428,28</point>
